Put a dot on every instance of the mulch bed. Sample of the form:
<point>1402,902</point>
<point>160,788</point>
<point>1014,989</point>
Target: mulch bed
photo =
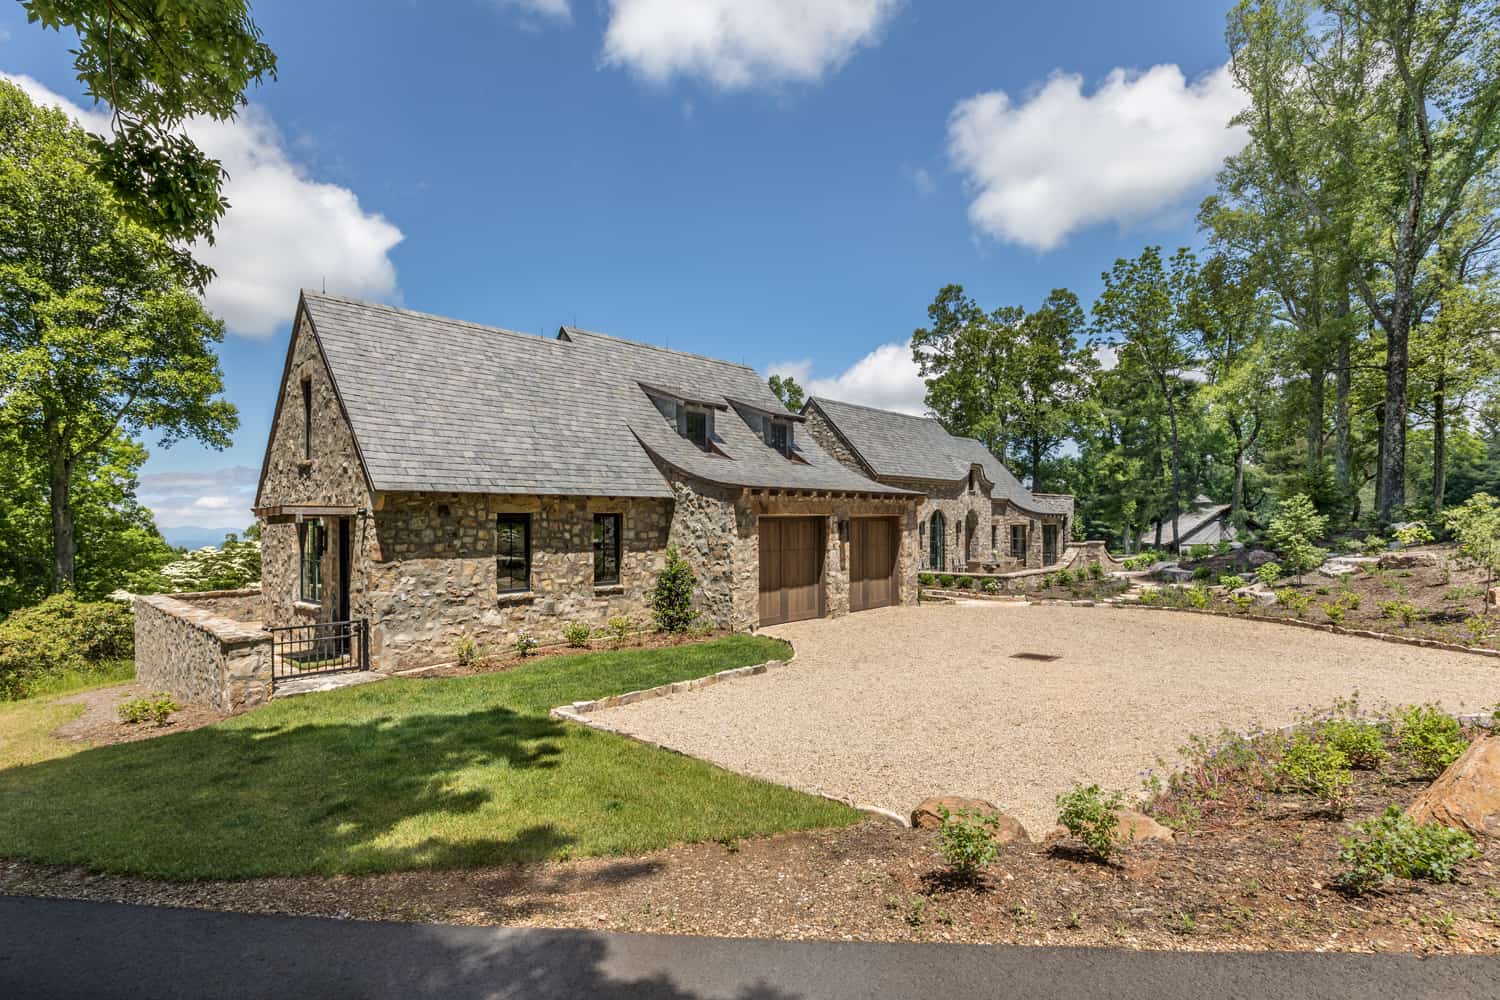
<point>1261,884</point>
<point>100,722</point>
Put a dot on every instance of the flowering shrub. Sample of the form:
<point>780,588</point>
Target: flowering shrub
<point>526,644</point>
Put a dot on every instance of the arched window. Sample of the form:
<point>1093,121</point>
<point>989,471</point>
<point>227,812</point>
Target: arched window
<point>937,542</point>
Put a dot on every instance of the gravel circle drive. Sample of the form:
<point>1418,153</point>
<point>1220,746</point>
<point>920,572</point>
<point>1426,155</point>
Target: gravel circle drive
<point>888,707</point>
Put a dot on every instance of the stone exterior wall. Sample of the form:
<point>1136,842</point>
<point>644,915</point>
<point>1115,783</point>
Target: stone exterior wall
<point>831,441</point>
<point>199,656</point>
<point>430,573</point>
<point>244,606</point>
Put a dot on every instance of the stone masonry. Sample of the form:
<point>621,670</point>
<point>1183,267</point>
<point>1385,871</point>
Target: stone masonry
<point>185,647</point>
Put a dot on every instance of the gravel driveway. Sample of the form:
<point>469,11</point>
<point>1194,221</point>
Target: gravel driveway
<point>887,707</point>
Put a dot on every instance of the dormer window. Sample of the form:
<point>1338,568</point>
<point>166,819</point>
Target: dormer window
<point>694,425</point>
<point>779,435</point>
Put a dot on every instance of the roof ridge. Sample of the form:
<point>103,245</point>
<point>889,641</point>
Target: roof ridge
<point>418,314</point>
<point>658,347</point>
<point>875,409</point>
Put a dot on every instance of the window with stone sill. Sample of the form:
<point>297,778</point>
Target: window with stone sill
<point>513,553</point>
<point>607,550</point>
<point>310,545</point>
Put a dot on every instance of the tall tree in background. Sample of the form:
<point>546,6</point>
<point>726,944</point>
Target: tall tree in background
<point>157,63</point>
<point>788,391</point>
<point>100,335</point>
<point>1144,313</point>
<point>967,358</point>
<point>1405,96</point>
<point>1052,376</point>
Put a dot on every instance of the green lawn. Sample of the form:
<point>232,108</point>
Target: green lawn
<point>402,774</point>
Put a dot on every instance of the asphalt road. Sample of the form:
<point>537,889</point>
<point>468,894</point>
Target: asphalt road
<point>62,948</point>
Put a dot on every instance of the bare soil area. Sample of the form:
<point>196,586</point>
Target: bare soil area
<point>1263,884</point>
<point>100,722</point>
<point>1014,704</point>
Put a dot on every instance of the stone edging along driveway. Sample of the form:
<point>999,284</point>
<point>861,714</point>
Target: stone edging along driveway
<point>580,712</point>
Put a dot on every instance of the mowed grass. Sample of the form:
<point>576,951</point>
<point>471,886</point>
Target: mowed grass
<point>403,774</point>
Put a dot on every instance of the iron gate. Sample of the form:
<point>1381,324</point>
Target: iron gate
<point>319,648</point>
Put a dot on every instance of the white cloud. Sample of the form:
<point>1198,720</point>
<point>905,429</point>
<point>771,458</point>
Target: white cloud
<point>886,378</point>
<point>556,9</point>
<point>736,44</point>
<point>921,178</point>
<point>283,231</point>
<point>1062,160</point>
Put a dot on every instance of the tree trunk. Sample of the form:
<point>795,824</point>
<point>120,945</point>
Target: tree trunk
<point>1317,379</point>
<point>1036,464</point>
<point>1237,492</point>
<point>1343,442</point>
<point>1176,469</point>
<point>60,480</point>
<point>1439,445</point>
<point>1392,472</point>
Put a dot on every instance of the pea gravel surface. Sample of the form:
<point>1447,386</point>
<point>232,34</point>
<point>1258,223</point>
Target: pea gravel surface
<point>887,707</point>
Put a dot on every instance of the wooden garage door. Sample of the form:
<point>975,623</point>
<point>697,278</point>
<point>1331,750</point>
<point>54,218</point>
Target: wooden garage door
<point>872,563</point>
<point>791,569</point>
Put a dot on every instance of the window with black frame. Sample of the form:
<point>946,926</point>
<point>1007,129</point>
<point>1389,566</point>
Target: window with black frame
<point>695,426</point>
<point>1018,541</point>
<point>310,543</point>
<point>779,436</point>
<point>606,549</point>
<point>513,553</point>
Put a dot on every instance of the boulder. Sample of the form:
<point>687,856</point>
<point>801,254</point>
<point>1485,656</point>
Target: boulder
<point>1408,559</point>
<point>1133,826</point>
<point>1340,566</point>
<point>1257,592</point>
<point>1467,794</point>
<point>1256,558</point>
<point>1492,598</point>
<point>1008,830</point>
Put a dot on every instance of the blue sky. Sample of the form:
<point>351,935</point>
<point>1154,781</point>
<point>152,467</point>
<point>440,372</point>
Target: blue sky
<point>785,184</point>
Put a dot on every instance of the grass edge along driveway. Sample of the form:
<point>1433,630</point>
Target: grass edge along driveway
<point>404,774</point>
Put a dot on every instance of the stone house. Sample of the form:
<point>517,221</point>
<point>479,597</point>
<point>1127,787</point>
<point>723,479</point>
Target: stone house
<point>439,479</point>
<point>976,515</point>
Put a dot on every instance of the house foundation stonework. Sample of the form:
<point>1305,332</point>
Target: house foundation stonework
<point>445,482</point>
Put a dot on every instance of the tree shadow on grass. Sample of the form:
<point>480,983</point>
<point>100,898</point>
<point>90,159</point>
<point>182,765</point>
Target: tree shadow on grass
<point>245,800</point>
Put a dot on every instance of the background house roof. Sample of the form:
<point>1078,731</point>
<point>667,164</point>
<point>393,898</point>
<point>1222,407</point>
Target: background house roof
<point>1205,524</point>
<point>902,446</point>
<point>442,405</point>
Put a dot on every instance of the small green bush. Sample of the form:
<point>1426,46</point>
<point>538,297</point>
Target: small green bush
<point>576,634</point>
<point>1096,571</point>
<point>1414,533</point>
<point>1334,611</point>
<point>1293,601</point>
<point>1151,596</point>
<point>526,644</point>
<point>992,586</point>
<point>157,708</point>
<point>965,583</point>
<point>1402,611</point>
<point>1090,815</point>
<point>465,650</point>
<point>1478,628</point>
<point>1242,602</point>
<point>1268,573</point>
<point>1351,600</point>
<point>926,579</point>
<point>671,596</point>
<point>1231,581</point>
<point>1318,769</point>
<point>1373,545</point>
<point>1359,742</point>
<point>1198,596</point>
<point>1197,552</point>
<point>967,841</point>
<point>1429,737</point>
<point>1464,592</point>
<point>945,581</point>
<point>1202,573</point>
<point>619,628</point>
<point>1393,846</point>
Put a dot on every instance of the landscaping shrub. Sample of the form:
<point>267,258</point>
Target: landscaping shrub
<point>1334,611</point>
<point>620,627</point>
<point>1292,530</point>
<point>1359,742</point>
<point>1373,545</point>
<point>1476,527</point>
<point>1393,846</point>
<point>992,586</point>
<point>967,842</point>
<point>1197,552</point>
<point>672,595</point>
<point>1227,774</point>
<point>1402,611</point>
<point>61,634</point>
<point>576,634</point>
<point>1319,770</point>
<point>1268,573</point>
<point>1351,600</point>
<point>1198,596</point>
<point>965,583</point>
<point>157,708</point>
<point>1295,602</point>
<point>1089,815</point>
<point>945,581</point>
<point>465,650</point>
<point>1202,573</point>
<point>1231,581</point>
<point>1414,533</point>
<point>926,579</point>
<point>1463,592</point>
<point>1429,737</point>
<point>1242,602</point>
<point>1151,596</point>
<point>526,644</point>
<point>1096,571</point>
<point>1478,628</point>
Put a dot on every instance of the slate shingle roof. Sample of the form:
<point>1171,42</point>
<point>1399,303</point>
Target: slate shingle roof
<point>902,446</point>
<point>443,405</point>
<point>1201,524</point>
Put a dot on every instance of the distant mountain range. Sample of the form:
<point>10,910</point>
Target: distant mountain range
<point>197,538</point>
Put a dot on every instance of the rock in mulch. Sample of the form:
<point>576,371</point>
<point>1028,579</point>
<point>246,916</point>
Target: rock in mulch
<point>1133,826</point>
<point>1007,830</point>
<point>1408,560</point>
<point>1467,794</point>
<point>1492,598</point>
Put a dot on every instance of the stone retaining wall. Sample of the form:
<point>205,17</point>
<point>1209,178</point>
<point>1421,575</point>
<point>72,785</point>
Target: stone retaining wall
<point>201,657</point>
<point>245,605</point>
